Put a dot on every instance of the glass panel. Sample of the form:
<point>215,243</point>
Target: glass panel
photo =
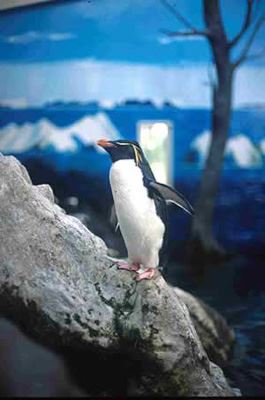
<point>154,138</point>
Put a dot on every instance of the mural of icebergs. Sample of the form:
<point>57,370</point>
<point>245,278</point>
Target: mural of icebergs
<point>244,152</point>
<point>240,148</point>
<point>16,138</point>
<point>201,145</point>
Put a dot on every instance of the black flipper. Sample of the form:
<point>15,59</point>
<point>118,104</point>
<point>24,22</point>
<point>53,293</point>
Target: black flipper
<point>171,196</point>
<point>113,218</point>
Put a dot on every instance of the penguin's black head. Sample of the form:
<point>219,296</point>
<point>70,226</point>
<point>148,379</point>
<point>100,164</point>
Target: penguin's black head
<point>122,149</point>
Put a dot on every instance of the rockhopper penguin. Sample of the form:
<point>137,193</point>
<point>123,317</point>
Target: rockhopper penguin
<point>140,204</point>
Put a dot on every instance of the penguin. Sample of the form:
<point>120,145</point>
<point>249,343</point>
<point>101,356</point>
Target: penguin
<point>140,207</point>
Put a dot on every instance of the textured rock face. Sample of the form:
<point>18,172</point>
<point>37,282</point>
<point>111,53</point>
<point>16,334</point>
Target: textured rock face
<point>56,282</point>
<point>216,336</point>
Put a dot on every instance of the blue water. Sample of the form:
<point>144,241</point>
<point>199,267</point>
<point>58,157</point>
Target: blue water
<point>237,290</point>
<point>239,219</point>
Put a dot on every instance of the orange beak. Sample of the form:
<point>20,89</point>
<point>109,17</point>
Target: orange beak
<point>104,143</point>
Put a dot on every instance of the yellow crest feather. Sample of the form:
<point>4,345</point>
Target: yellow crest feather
<point>137,154</point>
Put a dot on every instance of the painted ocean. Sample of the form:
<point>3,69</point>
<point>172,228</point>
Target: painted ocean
<point>57,145</point>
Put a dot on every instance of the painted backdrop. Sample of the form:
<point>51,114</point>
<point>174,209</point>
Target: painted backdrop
<point>72,72</point>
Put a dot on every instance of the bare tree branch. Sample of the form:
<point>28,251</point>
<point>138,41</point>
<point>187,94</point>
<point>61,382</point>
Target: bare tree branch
<point>217,35</point>
<point>183,20</point>
<point>185,33</point>
<point>245,26</point>
<point>244,54</point>
<point>255,56</point>
<point>256,9</point>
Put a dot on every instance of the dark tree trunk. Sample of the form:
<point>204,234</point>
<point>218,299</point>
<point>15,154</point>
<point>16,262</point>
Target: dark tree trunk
<point>203,244</point>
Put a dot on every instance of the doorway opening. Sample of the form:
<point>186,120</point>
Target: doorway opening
<point>156,140</point>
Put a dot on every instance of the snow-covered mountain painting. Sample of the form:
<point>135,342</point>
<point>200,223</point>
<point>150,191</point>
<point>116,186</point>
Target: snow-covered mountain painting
<point>52,133</point>
<point>240,150</point>
<point>44,134</point>
<point>58,146</point>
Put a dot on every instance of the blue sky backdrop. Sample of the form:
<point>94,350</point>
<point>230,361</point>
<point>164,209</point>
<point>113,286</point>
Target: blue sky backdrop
<point>111,50</point>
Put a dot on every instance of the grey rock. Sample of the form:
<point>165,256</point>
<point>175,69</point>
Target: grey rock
<point>237,392</point>
<point>46,191</point>
<point>58,284</point>
<point>30,370</point>
<point>216,336</point>
<point>219,377</point>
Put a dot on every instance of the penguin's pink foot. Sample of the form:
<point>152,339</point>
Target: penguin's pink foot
<point>147,274</point>
<point>127,266</point>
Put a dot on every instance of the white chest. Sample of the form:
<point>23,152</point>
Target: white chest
<point>141,227</point>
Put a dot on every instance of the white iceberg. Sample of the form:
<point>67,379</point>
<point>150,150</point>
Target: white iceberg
<point>242,150</point>
<point>15,138</point>
<point>201,144</point>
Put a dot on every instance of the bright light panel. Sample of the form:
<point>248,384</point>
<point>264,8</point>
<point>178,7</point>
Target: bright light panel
<point>154,138</point>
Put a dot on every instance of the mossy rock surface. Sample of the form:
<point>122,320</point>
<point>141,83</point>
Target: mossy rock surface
<point>58,284</point>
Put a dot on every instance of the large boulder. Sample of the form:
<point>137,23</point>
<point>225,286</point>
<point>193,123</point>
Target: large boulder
<point>216,336</point>
<point>58,284</point>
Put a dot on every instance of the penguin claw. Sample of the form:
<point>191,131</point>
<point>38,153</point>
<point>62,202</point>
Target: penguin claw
<point>147,274</point>
<point>127,266</point>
